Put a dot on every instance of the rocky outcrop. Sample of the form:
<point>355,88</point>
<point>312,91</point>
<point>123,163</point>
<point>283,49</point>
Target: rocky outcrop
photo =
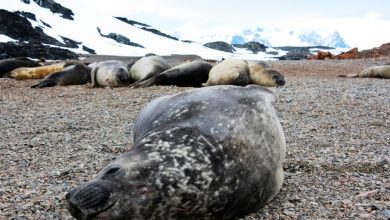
<point>145,27</point>
<point>34,50</point>
<point>18,27</point>
<point>131,22</point>
<point>253,46</point>
<point>120,39</point>
<point>220,45</point>
<point>383,50</point>
<point>54,7</point>
<point>27,15</point>
<point>88,50</point>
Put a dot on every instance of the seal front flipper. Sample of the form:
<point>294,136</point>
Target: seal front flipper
<point>153,81</point>
<point>44,83</point>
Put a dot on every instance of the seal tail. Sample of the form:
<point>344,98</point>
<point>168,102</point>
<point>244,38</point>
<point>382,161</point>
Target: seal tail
<point>43,83</point>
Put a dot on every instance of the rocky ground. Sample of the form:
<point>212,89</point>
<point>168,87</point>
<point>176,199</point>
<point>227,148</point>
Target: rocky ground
<point>337,131</point>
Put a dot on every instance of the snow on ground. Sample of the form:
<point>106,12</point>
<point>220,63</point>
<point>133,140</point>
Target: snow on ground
<point>84,29</point>
<point>5,38</point>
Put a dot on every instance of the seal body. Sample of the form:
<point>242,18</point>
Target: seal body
<point>207,153</point>
<point>40,72</point>
<point>78,74</point>
<point>188,74</point>
<point>382,71</point>
<point>229,72</point>
<point>148,66</point>
<point>112,73</point>
<point>7,65</point>
<point>263,75</point>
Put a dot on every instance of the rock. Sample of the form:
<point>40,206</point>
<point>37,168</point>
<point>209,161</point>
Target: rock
<point>220,45</point>
<point>253,46</point>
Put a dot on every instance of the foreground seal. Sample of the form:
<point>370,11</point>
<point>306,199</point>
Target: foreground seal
<point>229,72</point>
<point>263,75</point>
<point>207,153</point>
<point>112,73</point>
<point>148,66</point>
<point>7,65</point>
<point>188,74</point>
<point>382,71</point>
<point>78,74</point>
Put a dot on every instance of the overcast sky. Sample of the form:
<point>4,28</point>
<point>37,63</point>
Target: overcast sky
<point>363,23</point>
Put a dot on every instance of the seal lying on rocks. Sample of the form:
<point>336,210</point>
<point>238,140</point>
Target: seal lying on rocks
<point>7,65</point>
<point>207,153</point>
<point>188,74</point>
<point>229,72</point>
<point>382,71</point>
<point>147,67</point>
<point>78,74</point>
<point>112,73</point>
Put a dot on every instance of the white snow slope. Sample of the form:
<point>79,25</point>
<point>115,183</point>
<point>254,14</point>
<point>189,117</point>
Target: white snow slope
<point>84,29</point>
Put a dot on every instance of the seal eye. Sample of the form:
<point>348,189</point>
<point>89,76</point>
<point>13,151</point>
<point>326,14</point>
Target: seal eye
<point>111,171</point>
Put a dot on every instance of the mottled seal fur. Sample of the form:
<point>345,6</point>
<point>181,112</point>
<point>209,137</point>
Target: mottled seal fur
<point>78,74</point>
<point>207,153</point>
<point>148,66</point>
<point>382,71</point>
<point>7,65</point>
<point>40,72</point>
<point>112,73</point>
<point>188,74</point>
<point>263,75</point>
<point>229,72</point>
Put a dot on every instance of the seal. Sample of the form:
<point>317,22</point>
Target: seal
<point>148,66</point>
<point>78,74</point>
<point>206,153</point>
<point>7,65</point>
<point>23,73</point>
<point>229,72</point>
<point>263,75</point>
<point>382,71</point>
<point>112,73</point>
<point>188,74</point>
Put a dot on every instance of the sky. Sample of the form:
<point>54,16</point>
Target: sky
<point>361,23</point>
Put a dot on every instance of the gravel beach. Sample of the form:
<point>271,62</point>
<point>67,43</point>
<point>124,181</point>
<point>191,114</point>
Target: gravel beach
<point>337,131</point>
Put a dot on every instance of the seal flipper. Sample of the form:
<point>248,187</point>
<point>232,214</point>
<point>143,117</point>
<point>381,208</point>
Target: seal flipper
<point>153,81</point>
<point>241,80</point>
<point>44,83</point>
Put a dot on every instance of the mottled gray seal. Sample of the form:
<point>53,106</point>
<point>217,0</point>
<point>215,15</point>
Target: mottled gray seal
<point>188,74</point>
<point>148,66</point>
<point>7,65</point>
<point>229,72</point>
<point>263,75</point>
<point>78,74</point>
<point>40,72</point>
<point>382,71</point>
<point>207,153</point>
<point>112,73</point>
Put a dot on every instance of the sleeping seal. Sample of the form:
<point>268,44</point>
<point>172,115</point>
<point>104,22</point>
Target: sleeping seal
<point>207,153</point>
<point>78,74</point>
<point>40,72</point>
<point>7,65</point>
<point>229,72</point>
<point>148,66</point>
<point>188,74</point>
<point>382,71</point>
<point>112,73</point>
<point>263,75</point>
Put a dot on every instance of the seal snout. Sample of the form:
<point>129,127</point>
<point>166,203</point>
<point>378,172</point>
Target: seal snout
<point>279,79</point>
<point>88,200</point>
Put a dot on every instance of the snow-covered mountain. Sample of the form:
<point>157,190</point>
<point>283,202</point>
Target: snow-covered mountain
<point>276,37</point>
<point>87,31</point>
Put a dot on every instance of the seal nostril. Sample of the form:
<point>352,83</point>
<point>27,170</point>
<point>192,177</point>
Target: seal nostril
<point>112,171</point>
